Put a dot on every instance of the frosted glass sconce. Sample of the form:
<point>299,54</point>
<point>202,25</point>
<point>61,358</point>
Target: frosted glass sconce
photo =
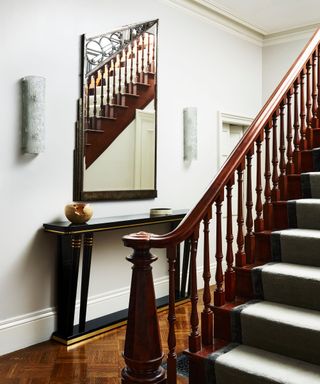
<point>33,108</point>
<point>190,145</point>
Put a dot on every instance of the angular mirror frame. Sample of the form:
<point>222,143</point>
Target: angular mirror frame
<point>78,172</point>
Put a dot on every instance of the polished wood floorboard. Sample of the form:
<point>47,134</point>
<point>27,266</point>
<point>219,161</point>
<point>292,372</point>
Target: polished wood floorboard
<point>96,361</point>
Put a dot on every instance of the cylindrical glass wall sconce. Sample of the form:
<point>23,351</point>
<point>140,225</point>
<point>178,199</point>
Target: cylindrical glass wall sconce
<point>190,145</point>
<point>33,114</point>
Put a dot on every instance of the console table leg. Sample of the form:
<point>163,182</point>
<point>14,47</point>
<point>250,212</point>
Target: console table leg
<point>69,253</point>
<point>86,264</point>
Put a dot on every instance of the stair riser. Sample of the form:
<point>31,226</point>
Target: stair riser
<point>280,216</point>
<point>263,247</point>
<point>306,161</point>
<point>244,283</point>
<point>294,187</point>
<point>222,324</point>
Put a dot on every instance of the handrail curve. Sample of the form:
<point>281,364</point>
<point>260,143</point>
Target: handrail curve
<point>198,212</point>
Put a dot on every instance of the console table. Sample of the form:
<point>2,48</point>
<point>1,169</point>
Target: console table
<point>71,238</point>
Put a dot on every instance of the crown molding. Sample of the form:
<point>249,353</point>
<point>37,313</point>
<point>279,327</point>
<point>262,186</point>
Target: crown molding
<point>228,22</point>
<point>202,9</point>
<point>294,34</point>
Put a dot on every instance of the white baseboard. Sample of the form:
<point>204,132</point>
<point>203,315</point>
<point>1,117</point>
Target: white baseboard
<point>35,327</point>
<point>22,331</point>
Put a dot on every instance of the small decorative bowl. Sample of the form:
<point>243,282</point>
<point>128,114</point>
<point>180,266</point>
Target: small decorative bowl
<point>78,213</point>
<point>160,211</point>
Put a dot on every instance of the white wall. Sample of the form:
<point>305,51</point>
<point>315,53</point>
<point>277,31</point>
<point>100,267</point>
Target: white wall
<point>276,61</point>
<point>199,65</point>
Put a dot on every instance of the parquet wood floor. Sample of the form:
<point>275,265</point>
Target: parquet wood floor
<point>96,361</point>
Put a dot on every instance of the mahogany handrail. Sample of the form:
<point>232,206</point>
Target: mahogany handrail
<point>143,359</point>
<point>197,213</point>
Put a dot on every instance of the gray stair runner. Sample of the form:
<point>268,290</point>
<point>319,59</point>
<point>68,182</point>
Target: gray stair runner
<point>247,365</point>
<point>280,333</point>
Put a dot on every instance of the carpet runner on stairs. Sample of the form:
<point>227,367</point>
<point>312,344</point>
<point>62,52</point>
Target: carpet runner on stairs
<point>278,335</point>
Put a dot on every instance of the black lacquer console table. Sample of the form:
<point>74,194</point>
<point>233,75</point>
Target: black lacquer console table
<point>71,238</point>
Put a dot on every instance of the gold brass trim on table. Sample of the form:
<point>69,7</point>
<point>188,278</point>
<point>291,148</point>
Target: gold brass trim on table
<point>109,228</point>
<point>98,332</point>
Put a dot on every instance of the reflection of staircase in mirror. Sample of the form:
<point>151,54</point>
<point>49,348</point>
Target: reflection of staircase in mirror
<point>115,90</point>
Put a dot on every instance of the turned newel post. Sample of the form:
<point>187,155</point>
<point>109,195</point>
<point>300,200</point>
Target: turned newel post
<point>142,352</point>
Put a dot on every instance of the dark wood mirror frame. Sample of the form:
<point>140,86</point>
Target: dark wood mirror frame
<point>135,30</point>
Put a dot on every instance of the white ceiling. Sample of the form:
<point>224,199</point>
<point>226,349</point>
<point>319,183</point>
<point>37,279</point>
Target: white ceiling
<point>268,16</point>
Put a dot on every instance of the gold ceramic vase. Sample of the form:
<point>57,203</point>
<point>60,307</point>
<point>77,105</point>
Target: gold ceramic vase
<point>78,213</point>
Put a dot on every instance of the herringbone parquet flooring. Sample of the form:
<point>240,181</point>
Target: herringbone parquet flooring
<point>96,361</point>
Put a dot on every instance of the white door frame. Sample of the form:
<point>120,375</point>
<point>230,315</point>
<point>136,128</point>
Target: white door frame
<point>229,119</point>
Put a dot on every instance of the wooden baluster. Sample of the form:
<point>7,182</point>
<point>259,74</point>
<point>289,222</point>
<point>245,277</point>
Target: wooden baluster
<point>148,53</point>
<point>153,67</point>
<point>258,223</point>
<point>172,356</point>
<point>108,114</point>
<point>267,207</point>
<point>230,277</point>
<point>206,315</point>
<point>314,91</point>
<point>282,164</point>
<point>119,97</point>
<point>137,61</point>
<point>143,53</point>
<point>303,128</point>
<point>249,238</point>
<point>240,255</point>
<point>309,133</point>
<point>102,71</point>
<point>130,90</point>
<point>114,81</point>
<point>194,338</point>
<point>95,95</point>
<point>126,69</point>
<point>296,138</point>
<point>88,100</point>
<point>219,295</point>
<point>142,351</point>
<point>290,163</point>
<point>275,193</point>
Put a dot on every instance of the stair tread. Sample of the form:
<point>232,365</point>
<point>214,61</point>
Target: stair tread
<point>143,84</point>
<point>250,365</point>
<point>304,213</point>
<point>295,270</point>
<point>299,232</point>
<point>288,283</point>
<point>130,94</point>
<point>118,106</point>
<point>95,130</point>
<point>290,245</point>
<point>285,314</point>
<point>282,328</point>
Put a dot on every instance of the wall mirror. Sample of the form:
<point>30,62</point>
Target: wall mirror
<point>115,151</point>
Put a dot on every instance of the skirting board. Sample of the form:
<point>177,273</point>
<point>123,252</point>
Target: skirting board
<point>32,328</point>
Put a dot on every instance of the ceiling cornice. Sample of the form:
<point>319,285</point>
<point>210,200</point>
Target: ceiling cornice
<point>304,32</point>
<point>207,13</point>
<point>225,20</point>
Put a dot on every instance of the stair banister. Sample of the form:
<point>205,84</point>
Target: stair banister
<point>142,367</point>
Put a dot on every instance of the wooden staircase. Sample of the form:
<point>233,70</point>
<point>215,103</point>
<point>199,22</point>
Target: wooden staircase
<point>275,150</point>
<point>115,89</point>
